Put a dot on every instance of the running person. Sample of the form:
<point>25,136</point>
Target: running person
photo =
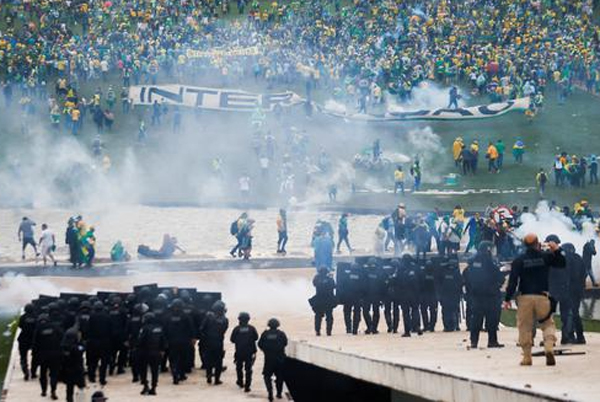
<point>47,244</point>
<point>26,235</point>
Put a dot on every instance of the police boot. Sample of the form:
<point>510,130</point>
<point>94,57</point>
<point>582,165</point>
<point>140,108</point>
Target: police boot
<point>25,370</point>
<point>53,396</point>
<point>145,390</point>
<point>329,327</point>
<point>269,386</point>
<point>550,360</point>
<point>493,340</point>
<point>317,325</point>
<point>526,360</point>
<point>152,391</point>
<point>248,382</point>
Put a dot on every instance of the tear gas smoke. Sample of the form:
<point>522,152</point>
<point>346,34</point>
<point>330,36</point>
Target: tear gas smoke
<point>544,222</point>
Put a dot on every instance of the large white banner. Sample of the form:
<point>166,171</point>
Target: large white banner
<point>211,98</point>
<point>467,113</point>
<point>243,101</point>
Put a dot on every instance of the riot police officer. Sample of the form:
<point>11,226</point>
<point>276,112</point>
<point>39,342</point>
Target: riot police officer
<point>132,331</point>
<point>558,282</point>
<point>72,373</point>
<point>99,346</point>
<point>323,302</point>
<point>483,280</point>
<point>47,337</point>
<point>428,300</point>
<point>118,324</point>
<point>409,283</point>
<point>244,337</point>
<point>27,323</point>
<point>450,286</point>
<point>273,342</point>
<point>578,275</point>
<point>350,295</point>
<point>152,344</point>
<point>392,295</point>
<point>374,290</point>
<point>180,332</point>
<point>213,332</point>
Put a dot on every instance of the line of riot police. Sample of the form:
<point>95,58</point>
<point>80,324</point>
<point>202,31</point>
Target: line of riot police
<point>76,337</point>
<point>405,288</point>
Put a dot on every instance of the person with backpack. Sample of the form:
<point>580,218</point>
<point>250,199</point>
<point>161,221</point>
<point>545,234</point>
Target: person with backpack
<point>234,230</point>
<point>541,179</point>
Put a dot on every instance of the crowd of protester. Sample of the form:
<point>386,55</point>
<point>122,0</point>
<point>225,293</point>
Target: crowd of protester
<point>505,50</point>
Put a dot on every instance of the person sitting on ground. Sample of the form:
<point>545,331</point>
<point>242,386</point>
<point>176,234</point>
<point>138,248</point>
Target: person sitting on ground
<point>166,251</point>
<point>118,252</point>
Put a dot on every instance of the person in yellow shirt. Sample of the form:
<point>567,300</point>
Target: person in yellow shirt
<point>399,180</point>
<point>492,157</point>
<point>458,214</point>
<point>75,116</point>
<point>456,150</point>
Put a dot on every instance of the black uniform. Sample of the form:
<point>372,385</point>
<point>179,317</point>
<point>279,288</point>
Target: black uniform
<point>559,286</point>
<point>578,275</point>
<point>351,297</point>
<point>47,338</point>
<point>72,372</point>
<point>483,280</point>
<point>132,333</point>
<point>152,344</point>
<point>27,323</point>
<point>409,282</point>
<point>450,287</point>
<point>323,302</point>
<point>392,295</point>
<point>213,332</point>
<point>244,336</point>
<point>428,301</point>
<point>373,296</point>
<point>273,342</point>
<point>180,332</point>
<point>118,337</point>
<point>99,344</point>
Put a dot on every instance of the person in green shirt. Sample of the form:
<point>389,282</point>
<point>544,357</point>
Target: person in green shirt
<point>500,147</point>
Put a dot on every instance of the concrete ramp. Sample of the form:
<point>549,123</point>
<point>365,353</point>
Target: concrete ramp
<point>439,367</point>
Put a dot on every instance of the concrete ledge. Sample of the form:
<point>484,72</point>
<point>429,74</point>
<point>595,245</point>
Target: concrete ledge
<point>423,382</point>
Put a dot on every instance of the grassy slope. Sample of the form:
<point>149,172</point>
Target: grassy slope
<point>5,345</point>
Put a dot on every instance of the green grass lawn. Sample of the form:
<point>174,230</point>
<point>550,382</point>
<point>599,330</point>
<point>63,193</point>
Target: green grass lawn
<point>509,318</point>
<point>6,341</point>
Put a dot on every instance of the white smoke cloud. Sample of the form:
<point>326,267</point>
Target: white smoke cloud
<point>544,222</point>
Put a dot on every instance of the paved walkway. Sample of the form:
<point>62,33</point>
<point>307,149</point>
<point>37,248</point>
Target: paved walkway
<point>284,293</point>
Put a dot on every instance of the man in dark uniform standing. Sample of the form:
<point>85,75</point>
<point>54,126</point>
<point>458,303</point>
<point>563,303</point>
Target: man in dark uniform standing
<point>529,274</point>
<point>99,347</point>
<point>180,333</point>
<point>323,302</point>
<point>558,285</point>
<point>213,333</point>
<point>244,336</point>
<point>27,323</point>
<point>47,338</point>
<point>152,344</point>
<point>450,291</point>
<point>273,342</point>
<point>351,295</point>
<point>409,277</point>
<point>374,289</point>
<point>428,297</point>
<point>578,275</point>
<point>483,280</point>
